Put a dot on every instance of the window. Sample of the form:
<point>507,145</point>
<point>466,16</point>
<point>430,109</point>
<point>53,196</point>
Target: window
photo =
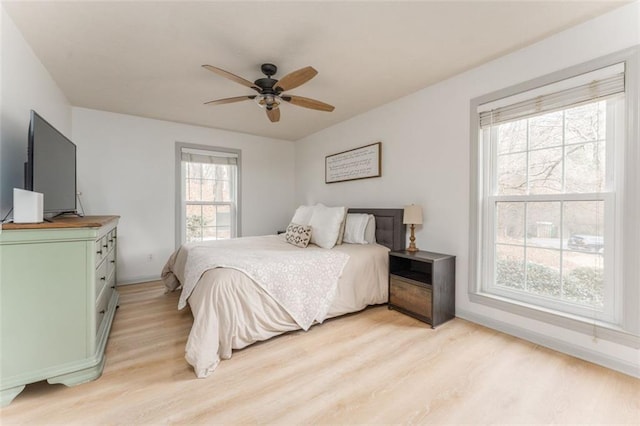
<point>208,193</point>
<point>552,186</point>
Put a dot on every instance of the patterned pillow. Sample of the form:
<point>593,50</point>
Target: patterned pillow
<point>298,235</point>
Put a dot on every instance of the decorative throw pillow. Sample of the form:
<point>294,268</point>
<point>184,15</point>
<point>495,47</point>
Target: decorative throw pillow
<point>325,225</point>
<point>298,235</point>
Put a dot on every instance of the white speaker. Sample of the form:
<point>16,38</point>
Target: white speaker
<point>27,206</point>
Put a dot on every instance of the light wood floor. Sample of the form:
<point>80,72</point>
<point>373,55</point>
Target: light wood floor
<point>377,366</point>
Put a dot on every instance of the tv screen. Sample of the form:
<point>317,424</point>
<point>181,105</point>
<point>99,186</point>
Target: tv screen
<point>51,167</point>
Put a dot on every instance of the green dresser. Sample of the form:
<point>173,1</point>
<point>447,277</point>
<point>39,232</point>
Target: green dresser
<point>57,301</point>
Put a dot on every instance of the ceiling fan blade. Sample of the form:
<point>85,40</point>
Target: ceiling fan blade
<point>230,100</point>
<point>274,115</point>
<point>307,103</point>
<point>232,77</point>
<point>295,79</point>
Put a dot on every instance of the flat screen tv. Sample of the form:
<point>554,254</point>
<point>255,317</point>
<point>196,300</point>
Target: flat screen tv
<point>51,167</point>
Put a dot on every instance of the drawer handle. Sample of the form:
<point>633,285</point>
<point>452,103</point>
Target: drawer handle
<point>105,246</point>
<point>112,261</point>
<point>102,312</point>
<point>99,252</point>
<point>111,240</point>
<point>103,278</point>
<point>113,286</point>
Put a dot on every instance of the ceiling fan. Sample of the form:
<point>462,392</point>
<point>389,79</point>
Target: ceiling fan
<point>270,91</point>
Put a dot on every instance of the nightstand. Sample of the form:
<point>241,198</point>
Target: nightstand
<point>423,284</point>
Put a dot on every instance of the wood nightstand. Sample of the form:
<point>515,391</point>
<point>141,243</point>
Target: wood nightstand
<point>423,285</point>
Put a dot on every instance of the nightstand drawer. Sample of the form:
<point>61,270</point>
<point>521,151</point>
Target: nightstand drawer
<point>410,297</point>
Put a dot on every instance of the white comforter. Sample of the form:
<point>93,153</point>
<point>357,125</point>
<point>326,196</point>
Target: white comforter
<point>231,311</point>
<point>281,270</point>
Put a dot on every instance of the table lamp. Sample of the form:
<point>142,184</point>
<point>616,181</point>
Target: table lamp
<point>412,216</point>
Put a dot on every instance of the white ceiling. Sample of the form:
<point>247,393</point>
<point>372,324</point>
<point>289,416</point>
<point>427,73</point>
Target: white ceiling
<point>144,58</point>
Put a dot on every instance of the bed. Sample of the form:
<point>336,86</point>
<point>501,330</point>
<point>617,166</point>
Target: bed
<point>231,310</point>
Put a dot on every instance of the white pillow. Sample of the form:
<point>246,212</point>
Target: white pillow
<point>355,228</point>
<point>370,230</point>
<point>342,226</point>
<point>303,214</point>
<point>325,225</point>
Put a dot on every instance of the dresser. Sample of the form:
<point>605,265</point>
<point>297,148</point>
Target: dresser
<point>57,300</point>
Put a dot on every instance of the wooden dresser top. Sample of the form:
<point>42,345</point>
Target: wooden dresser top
<point>64,222</point>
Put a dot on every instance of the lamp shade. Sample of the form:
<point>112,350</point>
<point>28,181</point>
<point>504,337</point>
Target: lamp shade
<point>412,215</point>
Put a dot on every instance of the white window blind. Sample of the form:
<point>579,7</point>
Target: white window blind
<point>204,157</point>
<point>598,84</point>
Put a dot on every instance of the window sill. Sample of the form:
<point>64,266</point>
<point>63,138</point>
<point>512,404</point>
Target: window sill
<point>602,330</point>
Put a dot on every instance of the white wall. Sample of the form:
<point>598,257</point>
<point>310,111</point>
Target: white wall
<point>126,167</point>
<point>425,160</point>
<point>25,85</point>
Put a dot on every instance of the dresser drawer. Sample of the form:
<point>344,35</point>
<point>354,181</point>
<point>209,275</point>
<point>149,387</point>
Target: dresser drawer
<point>102,305</point>
<point>111,262</point>
<point>111,282</point>
<point>411,297</point>
<point>105,245</point>
<point>110,239</point>
<point>101,278</point>
<point>101,251</point>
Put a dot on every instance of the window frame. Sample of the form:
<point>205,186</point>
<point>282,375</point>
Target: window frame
<point>180,201</point>
<point>607,196</point>
<point>626,204</point>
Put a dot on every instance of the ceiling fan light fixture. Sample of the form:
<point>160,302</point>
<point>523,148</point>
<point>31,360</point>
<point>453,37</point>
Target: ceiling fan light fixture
<point>268,101</point>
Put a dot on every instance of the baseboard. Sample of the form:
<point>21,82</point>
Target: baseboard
<point>139,280</point>
<point>616,364</point>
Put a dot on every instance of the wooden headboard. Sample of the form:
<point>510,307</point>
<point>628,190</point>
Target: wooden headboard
<point>390,231</point>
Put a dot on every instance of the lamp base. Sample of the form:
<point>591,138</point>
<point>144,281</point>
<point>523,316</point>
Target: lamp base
<point>412,245</point>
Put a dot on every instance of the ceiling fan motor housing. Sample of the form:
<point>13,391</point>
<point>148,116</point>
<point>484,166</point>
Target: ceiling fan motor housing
<point>268,69</point>
<point>266,84</point>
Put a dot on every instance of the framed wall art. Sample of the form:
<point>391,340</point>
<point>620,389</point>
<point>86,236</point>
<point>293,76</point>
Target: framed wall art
<point>358,163</point>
